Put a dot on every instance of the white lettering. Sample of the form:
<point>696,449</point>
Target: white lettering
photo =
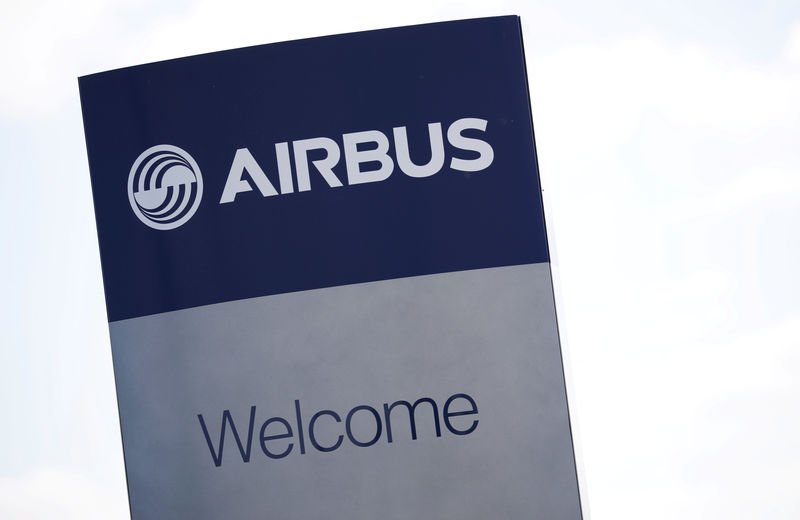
<point>324,166</point>
<point>244,161</point>
<point>354,158</point>
<point>284,167</point>
<point>404,157</point>
<point>468,143</point>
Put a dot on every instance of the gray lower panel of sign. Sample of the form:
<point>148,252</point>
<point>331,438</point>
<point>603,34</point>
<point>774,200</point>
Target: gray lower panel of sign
<point>489,334</point>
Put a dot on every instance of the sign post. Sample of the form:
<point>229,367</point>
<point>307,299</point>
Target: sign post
<point>327,280</point>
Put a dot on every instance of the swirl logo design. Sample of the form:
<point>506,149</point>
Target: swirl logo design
<point>165,187</point>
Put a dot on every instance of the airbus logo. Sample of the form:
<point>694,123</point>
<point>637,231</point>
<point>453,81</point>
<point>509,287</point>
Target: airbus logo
<point>165,185</point>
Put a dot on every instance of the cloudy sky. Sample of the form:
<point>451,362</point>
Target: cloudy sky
<point>668,140</point>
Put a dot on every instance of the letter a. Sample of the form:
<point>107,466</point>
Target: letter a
<point>244,161</point>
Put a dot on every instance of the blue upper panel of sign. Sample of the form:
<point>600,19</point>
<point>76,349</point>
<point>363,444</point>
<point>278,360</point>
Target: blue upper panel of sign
<point>167,140</point>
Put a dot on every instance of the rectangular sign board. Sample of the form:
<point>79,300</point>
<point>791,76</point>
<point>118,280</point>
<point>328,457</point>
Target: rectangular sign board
<point>328,283</point>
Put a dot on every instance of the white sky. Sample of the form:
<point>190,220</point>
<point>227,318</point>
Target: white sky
<point>668,141</point>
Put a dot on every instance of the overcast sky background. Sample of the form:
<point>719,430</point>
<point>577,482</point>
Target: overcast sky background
<point>669,155</point>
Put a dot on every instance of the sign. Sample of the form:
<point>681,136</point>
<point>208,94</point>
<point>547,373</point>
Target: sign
<point>327,280</point>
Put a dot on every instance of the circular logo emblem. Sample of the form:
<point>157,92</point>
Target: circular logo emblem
<point>165,187</point>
